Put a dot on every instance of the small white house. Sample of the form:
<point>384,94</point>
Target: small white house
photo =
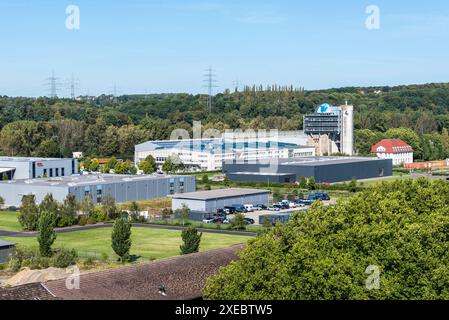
<point>395,149</point>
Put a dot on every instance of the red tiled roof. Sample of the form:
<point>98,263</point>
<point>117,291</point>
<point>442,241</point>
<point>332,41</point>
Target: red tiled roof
<point>392,146</point>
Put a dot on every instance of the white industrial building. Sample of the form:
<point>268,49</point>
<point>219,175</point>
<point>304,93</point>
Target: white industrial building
<point>327,131</point>
<point>213,200</point>
<point>209,154</point>
<point>14,168</point>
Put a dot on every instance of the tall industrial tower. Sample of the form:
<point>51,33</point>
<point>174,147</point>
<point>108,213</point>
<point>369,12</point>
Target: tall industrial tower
<point>210,80</point>
<point>53,85</point>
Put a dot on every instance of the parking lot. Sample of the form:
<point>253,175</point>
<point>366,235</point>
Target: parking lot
<point>256,214</point>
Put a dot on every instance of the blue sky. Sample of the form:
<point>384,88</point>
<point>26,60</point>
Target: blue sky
<point>165,46</point>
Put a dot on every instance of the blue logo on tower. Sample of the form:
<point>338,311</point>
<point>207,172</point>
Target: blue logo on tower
<point>324,108</point>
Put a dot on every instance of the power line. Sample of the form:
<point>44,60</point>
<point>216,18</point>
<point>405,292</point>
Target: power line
<point>73,84</point>
<point>210,80</point>
<point>53,84</point>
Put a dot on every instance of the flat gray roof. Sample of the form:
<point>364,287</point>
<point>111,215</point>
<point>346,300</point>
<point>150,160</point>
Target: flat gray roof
<point>30,159</point>
<point>219,193</point>
<point>324,161</point>
<point>85,180</point>
<point>4,243</point>
<point>309,161</point>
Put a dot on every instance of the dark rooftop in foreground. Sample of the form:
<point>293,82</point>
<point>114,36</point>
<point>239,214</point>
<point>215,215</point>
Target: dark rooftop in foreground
<point>219,193</point>
<point>178,278</point>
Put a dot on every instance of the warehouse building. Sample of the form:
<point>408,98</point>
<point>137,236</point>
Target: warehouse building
<point>211,201</point>
<point>6,248</point>
<point>121,187</point>
<point>323,169</point>
<point>15,168</point>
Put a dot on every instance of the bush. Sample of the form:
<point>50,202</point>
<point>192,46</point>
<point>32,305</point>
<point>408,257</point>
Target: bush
<point>15,264</point>
<point>83,220</point>
<point>64,258</point>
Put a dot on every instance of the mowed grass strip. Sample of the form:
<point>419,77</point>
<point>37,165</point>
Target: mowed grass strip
<point>146,243</point>
<point>9,221</point>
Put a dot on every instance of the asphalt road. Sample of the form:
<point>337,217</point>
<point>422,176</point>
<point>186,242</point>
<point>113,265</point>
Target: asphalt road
<point>4,233</point>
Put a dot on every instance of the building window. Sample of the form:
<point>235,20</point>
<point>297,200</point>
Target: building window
<point>57,172</point>
<point>62,172</point>
<point>73,166</point>
<point>51,173</point>
<point>172,186</point>
<point>34,169</point>
<point>99,194</point>
<point>181,185</point>
<point>45,173</point>
<point>86,191</point>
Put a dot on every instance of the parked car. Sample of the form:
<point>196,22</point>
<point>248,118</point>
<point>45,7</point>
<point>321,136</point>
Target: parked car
<point>249,221</point>
<point>275,207</point>
<point>284,205</point>
<point>230,210</point>
<point>261,207</point>
<point>209,220</point>
<point>293,204</point>
<point>249,207</point>
<point>239,208</point>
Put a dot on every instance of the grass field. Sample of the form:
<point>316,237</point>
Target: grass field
<point>148,244</point>
<point>9,222</point>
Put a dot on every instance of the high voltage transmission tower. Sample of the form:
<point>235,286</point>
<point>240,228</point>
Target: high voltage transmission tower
<point>53,85</point>
<point>73,84</point>
<point>210,80</point>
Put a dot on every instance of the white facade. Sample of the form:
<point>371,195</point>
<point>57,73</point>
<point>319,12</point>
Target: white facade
<point>209,154</point>
<point>399,158</point>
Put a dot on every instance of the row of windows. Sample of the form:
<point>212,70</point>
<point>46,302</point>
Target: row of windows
<point>54,172</point>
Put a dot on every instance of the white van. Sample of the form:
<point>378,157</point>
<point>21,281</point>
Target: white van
<point>249,207</point>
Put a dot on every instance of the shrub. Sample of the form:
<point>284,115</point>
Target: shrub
<point>191,241</point>
<point>64,258</point>
<point>15,264</point>
<point>104,257</point>
<point>83,220</point>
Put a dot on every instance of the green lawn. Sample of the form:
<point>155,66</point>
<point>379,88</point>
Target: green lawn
<point>147,243</point>
<point>9,222</point>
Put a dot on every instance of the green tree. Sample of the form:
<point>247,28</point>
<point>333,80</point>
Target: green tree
<point>311,184</point>
<point>398,228</point>
<point>168,166</point>
<point>191,241</point>
<point>134,211</point>
<point>303,183</point>
<point>46,236</point>
<point>277,196</point>
<point>148,166</point>
<point>205,179</point>
<point>29,213</point>
<point>353,185</point>
<point>226,181</point>
<point>121,239</point>
<point>109,207</point>
<point>183,213</point>
<point>2,202</point>
<point>68,211</point>
<point>239,222</point>
<point>87,206</point>
<point>50,205</point>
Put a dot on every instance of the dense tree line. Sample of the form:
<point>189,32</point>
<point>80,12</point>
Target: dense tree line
<point>111,126</point>
<point>388,242</point>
